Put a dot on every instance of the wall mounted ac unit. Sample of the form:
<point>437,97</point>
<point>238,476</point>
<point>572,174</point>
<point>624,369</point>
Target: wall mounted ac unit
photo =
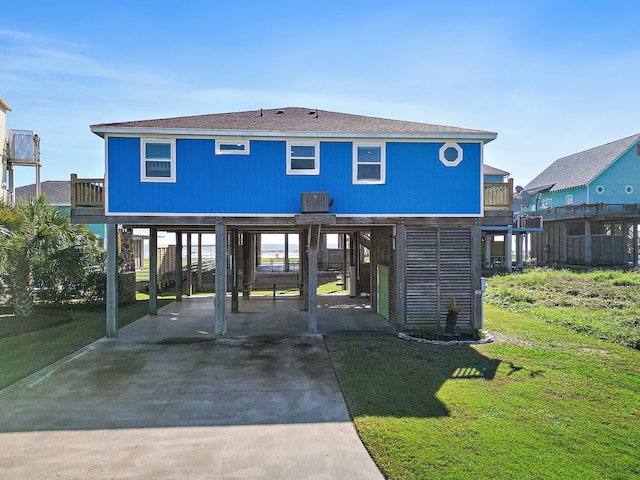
<point>531,222</point>
<point>24,146</point>
<point>315,202</point>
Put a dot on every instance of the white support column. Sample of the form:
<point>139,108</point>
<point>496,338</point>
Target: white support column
<point>153,271</point>
<point>313,278</point>
<point>301,261</point>
<point>112,280</point>
<point>12,184</point>
<point>38,190</point>
<point>635,243</point>
<point>189,266</point>
<point>345,260</point>
<point>508,238</point>
<point>235,271</point>
<point>220,299</point>
<point>587,242</point>
<point>178,271</point>
<point>401,276</point>
<point>487,250</point>
<point>286,252</point>
<point>199,274</point>
<point>304,267</point>
<point>519,252</point>
<point>477,313</point>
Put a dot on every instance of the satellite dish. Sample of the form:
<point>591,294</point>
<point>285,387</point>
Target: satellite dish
<point>519,188</point>
<point>526,199</point>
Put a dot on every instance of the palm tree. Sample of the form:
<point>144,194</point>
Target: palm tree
<point>38,237</point>
<point>11,222</point>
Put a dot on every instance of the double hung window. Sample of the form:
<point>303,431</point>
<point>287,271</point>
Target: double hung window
<point>158,160</point>
<point>303,158</point>
<point>368,163</point>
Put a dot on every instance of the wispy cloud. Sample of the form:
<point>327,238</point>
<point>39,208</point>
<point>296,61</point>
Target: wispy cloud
<point>43,56</point>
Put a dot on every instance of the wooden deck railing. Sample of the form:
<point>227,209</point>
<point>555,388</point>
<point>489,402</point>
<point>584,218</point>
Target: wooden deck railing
<point>603,210</point>
<point>87,192</point>
<point>498,196</point>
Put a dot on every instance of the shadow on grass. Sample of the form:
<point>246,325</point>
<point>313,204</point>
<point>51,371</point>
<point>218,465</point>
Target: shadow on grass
<point>386,376</point>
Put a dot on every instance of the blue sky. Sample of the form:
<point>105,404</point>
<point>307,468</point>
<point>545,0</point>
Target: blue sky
<point>551,77</point>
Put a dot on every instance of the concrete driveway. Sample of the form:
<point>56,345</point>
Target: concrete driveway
<point>158,405</point>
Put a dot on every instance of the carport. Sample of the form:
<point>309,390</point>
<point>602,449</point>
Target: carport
<point>236,312</point>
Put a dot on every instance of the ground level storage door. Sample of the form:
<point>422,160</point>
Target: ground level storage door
<point>422,278</point>
<point>438,270</point>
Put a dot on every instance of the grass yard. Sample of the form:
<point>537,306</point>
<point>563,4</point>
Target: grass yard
<point>556,396</point>
<point>544,401</point>
<point>27,345</point>
<point>605,304</point>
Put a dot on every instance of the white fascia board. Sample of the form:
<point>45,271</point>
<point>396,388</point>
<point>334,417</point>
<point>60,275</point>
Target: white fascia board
<point>4,105</point>
<point>190,132</point>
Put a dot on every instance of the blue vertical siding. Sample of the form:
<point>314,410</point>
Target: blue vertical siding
<point>417,183</point>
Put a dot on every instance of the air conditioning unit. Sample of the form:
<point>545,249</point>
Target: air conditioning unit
<point>315,202</point>
<point>24,146</point>
<point>531,222</point>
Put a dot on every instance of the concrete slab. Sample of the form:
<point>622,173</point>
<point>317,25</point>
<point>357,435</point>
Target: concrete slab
<point>169,400</point>
<point>260,315</point>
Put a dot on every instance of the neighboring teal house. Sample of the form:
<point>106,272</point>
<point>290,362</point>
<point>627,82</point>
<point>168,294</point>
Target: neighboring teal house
<point>590,205</point>
<point>58,193</point>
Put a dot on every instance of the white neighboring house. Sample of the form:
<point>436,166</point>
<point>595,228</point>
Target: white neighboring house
<point>5,196</point>
<point>19,147</point>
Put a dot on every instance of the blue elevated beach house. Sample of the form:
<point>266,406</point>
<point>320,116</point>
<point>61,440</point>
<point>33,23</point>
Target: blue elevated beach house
<point>412,192</point>
<point>590,203</point>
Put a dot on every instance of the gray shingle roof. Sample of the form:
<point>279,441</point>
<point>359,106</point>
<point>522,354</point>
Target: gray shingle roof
<point>580,169</point>
<point>493,171</point>
<point>296,120</point>
<point>56,192</point>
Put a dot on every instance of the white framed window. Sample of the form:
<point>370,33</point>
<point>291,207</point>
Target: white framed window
<point>303,158</point>
<point>369,163</point>
<point>232,147</point>
<point>628,189</point>
<point>546,203</point>
<point>569,199</point>
<point>450,154</point>
<point>157,160</point>
<point>599,189</point>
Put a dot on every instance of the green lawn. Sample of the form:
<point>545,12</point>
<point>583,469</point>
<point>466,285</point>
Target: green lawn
<point>542,402</point>
<point>602,303</point>
<point>550,398</point>
<point>55,333</point>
